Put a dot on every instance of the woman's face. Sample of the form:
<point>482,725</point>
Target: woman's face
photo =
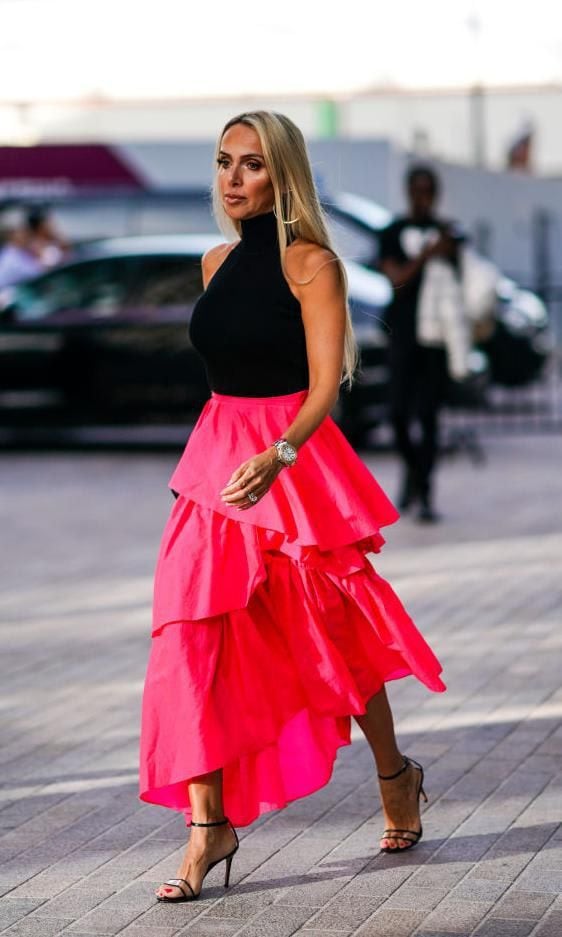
<point>244,184</point>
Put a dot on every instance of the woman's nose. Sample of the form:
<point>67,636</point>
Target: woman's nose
<point>235,178</point>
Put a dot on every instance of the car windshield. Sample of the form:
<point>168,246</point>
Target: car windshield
<point>96,284</point>
<point>104,286</point>
<point>88,219</point>
<point>164,281</point>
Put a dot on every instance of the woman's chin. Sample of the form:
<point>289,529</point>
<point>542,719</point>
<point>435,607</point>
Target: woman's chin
<point>236,210</point>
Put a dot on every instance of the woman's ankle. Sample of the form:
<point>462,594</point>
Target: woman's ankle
<point>211,820</point>
<point>391,766</point>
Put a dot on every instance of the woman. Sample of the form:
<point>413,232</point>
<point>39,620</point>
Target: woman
<point>271,628</point>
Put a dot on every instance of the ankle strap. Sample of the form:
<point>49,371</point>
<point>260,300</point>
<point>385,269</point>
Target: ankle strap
<point>213,823</point>
<point>390,777</point>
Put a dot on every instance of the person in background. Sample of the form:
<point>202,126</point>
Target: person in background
<point>30,244</point>
<point>18,260</point>
<point>418,373</point>
<point>44,239</point>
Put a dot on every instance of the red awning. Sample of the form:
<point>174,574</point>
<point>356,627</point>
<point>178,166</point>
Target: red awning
<point>57,169</point>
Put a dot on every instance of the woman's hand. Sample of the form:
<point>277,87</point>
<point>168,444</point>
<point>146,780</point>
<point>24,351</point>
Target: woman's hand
<point>255,476</point>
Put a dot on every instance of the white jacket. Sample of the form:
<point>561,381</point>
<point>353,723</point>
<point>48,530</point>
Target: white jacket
<point>448,305</point>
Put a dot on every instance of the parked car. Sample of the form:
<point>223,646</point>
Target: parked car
<point>516,350</point>
<point>104,339</point>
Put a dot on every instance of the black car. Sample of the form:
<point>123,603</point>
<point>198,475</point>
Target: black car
<point>104,339</point>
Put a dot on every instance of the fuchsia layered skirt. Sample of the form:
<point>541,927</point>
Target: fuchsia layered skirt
<point>270,626</point>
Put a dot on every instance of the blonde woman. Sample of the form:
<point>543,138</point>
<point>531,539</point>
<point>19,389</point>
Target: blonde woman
<point>271,627</point>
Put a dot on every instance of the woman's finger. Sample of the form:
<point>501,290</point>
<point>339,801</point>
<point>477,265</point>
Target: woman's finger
<point>238,490</point>
<point>238,496</point>
<point>258,485</point>
<point>238,480</point>
<point>247,503</point>
<point>251,473</point>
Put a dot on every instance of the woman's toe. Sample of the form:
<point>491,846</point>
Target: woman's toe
<point>396,844</point>
<point>166,891</point>
<point>388,844</point>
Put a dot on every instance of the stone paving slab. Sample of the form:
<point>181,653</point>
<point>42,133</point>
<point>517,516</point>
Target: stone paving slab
<point>80,855</point>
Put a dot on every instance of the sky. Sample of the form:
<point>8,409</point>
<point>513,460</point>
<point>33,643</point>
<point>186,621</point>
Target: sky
<point>71,49</point>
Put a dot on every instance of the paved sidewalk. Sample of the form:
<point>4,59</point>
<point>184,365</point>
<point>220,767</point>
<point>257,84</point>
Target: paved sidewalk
<point>79,854</point>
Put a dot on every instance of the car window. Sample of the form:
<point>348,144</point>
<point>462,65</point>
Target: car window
<point>351,242</point>
<point>98,285</point>
<point>165,281</point>
<point>177,217</point>
<point>86,219</point>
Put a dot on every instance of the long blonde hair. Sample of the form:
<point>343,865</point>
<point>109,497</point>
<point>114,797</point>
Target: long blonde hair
<point>288,165</point>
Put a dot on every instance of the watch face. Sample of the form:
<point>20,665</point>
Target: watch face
<point>286,452</point>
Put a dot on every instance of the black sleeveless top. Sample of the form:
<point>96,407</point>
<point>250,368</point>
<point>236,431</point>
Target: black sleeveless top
<point>247,325</point>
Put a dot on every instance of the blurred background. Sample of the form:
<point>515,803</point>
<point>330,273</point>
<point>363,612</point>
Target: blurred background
<point>108,116</point>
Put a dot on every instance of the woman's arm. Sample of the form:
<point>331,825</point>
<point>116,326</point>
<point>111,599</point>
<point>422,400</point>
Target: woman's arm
<point>316,281</point>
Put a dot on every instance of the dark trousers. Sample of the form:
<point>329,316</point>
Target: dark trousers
<point>418,381</point>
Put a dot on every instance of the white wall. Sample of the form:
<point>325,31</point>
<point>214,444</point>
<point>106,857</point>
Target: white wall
<point>364,167</point>
<point>505,203</point>
<point>445,118</point>
<point>442,117</point>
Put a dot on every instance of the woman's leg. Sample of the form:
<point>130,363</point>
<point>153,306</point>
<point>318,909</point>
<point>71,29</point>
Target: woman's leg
<point>206,844</point>
<point>377,726</point>
<point>205,797</point>
<point>399,796</point>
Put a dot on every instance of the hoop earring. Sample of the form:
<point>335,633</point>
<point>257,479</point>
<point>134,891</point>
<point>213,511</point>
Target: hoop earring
<point>286,220</point>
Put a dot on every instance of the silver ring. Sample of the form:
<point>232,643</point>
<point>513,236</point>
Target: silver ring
<point>252,497</point>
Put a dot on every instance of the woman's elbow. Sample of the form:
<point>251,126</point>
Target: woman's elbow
<point>327,393</point>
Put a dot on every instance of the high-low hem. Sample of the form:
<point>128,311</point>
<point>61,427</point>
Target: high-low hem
<point>271,628</point>
<point>334,733</point>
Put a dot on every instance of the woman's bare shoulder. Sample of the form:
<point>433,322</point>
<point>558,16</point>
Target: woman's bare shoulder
<point>214,257</point>
<point>304,259</point>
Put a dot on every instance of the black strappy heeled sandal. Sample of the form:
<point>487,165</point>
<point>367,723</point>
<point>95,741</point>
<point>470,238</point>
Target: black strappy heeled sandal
<point>182,882</point>
<point>405,834</point>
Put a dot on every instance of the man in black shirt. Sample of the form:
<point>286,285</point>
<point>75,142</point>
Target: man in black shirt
<point>418,373</point>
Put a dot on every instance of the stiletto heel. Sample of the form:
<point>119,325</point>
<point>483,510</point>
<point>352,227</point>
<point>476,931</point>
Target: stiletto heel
<point>179,883</point>
<point>405,834</point>
<point>227,871</point>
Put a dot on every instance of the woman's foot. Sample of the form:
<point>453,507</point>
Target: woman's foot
<point>400,794</point>
<point>205,846</point>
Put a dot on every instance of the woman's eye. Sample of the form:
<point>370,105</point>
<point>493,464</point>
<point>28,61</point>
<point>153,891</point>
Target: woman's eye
<point>251,164</point>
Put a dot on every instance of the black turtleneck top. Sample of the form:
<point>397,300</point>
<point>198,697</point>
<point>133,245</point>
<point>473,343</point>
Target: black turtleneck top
<point>247,325</point>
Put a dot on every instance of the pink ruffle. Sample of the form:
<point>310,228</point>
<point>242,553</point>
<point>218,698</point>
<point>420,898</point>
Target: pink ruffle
<point>271,628</point>
<point>188,586</point>
<point>328,499</point>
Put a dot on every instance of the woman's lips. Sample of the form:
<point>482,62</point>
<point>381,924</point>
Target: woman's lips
<point>233,199</point>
